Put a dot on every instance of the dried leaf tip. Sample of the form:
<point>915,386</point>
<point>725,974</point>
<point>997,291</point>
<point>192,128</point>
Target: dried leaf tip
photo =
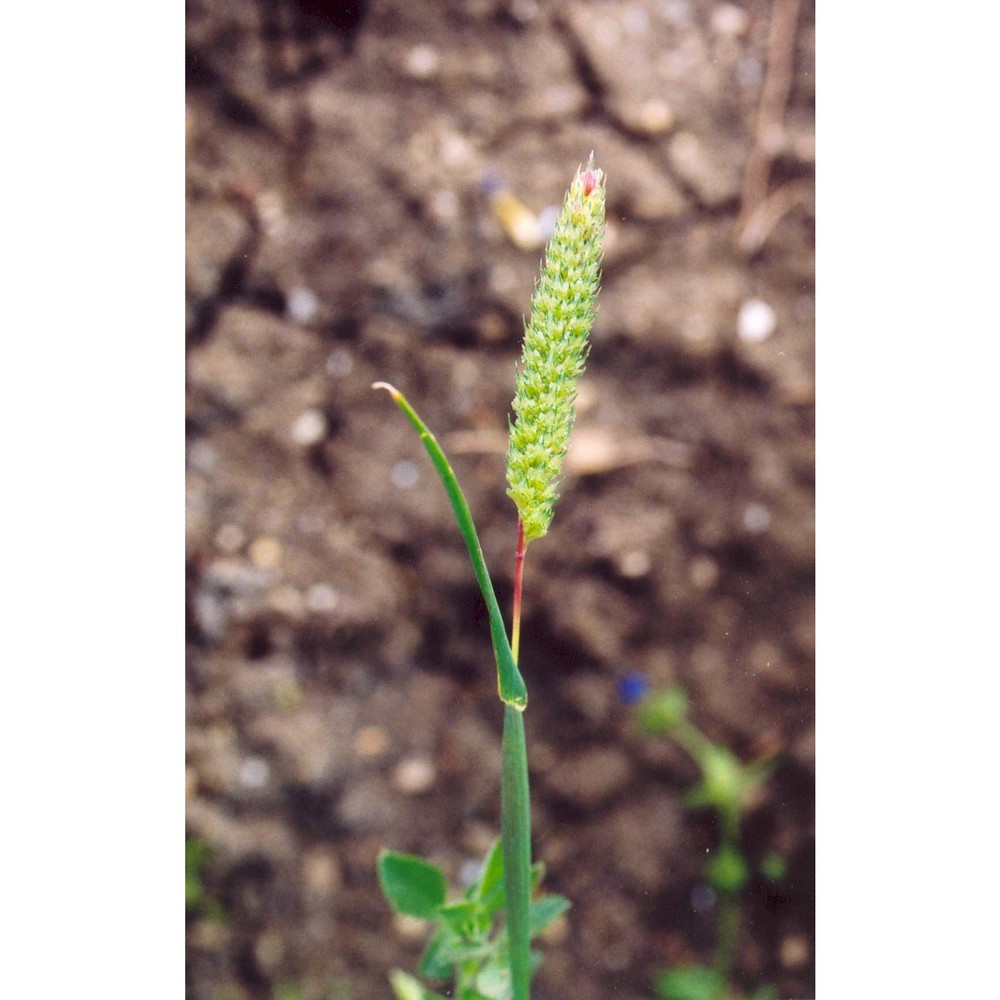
<point>391,389</point>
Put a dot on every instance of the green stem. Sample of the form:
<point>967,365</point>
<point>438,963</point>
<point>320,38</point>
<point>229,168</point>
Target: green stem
<point>692,740</point>
<point>729,933</point>
<point>515,812</point>
<point>515,833</point>
<point>729,902</point>
<point>515,806</point>
<point>515,628</point>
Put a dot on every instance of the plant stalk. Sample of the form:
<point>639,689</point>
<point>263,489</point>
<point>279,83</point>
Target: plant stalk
<point>515,812</point>
<point>515,630</point>
<point>729,933</point>
<point>515,833</point>
<point>729,901</point>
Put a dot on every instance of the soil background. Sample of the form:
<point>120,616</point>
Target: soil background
<point>368,186</point>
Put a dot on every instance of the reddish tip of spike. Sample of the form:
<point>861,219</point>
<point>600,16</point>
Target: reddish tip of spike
<point>589,177</point>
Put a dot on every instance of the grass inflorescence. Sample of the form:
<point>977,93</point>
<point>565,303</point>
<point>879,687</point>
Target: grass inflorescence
<point>555,352</point>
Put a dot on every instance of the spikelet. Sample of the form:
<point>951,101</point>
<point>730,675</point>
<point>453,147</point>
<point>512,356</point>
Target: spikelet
<point>555,351</point>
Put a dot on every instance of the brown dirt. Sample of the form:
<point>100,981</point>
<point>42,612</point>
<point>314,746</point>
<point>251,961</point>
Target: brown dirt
<point>341,687</point>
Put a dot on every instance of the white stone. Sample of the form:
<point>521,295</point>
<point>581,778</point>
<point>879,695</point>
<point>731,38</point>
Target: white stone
<point>414,775</point>
<point>254,772</point>
<point>309,428</point>
<point>756,321</point>
<point>756,518</point>
<point>302,305</point>
<point>422,62</point>
<point>405,475</point>
<point>321,598</point>
<point>730,21</point>
<point>339,362</point>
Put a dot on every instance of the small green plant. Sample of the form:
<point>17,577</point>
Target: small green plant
<point>198,901</point>
<point>555,349</point>
<point>468,946</point>
<point>728,787</point>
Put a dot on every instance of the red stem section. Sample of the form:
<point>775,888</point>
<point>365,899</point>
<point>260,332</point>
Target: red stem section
<point>515,630</point>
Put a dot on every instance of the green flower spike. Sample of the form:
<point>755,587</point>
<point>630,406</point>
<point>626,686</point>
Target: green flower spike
<point>555,351</point>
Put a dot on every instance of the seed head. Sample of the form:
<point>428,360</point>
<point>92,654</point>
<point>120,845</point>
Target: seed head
<point>555,351</point>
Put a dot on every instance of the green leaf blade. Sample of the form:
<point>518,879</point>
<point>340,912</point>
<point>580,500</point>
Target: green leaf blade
<point>406,987</point>
<point>467,918</point>
<point>544,911</point>
<point>510,683</point>
<point>488,889</point>
<point>412,885</point>
<point>691,982</point>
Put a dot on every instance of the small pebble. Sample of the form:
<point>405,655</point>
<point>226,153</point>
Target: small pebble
<point>520,224</point>
<point>634,564</point>
<point>230,538</point>
<point>655,117</point>
<point>302,305</point>
<point>502,278</point>
<point>524,10</point>
<point>321,873</point>
<point>794,952</point>
<point>469,871</point>
<point>749,71</point>
<point>310,428</point>
<point>677,12</point>
<point>422,62</point>
<point>414,775</point>
<point>288,694</point>
<point>756,321</point>
<point>321,598</point>
<point>730,21</point>
<point>492,327</point>
<point>635,20</point>
<point>444,205</point>
<point>370,741</point>
<point>339,362</point>
<point>404,474</point>
<point>209,934</point>
<point>697,328</point>
<point>265,552</point>
<point>286,600</point>
<point>211,613</point>
<point>756,518</point>
<point>703,572</point>
<point>409,928</point>
<point>202,457</point>
<point>269,950</point>
<point>557,932</point>
<point>456,152</point>
<point>254,772</point>
<point>271,212</point>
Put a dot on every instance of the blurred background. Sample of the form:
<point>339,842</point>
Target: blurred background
<point>369,189</point>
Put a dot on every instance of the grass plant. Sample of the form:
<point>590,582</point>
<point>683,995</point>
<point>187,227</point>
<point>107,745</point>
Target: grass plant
<point>489,960</point>
<point>728,787</point>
